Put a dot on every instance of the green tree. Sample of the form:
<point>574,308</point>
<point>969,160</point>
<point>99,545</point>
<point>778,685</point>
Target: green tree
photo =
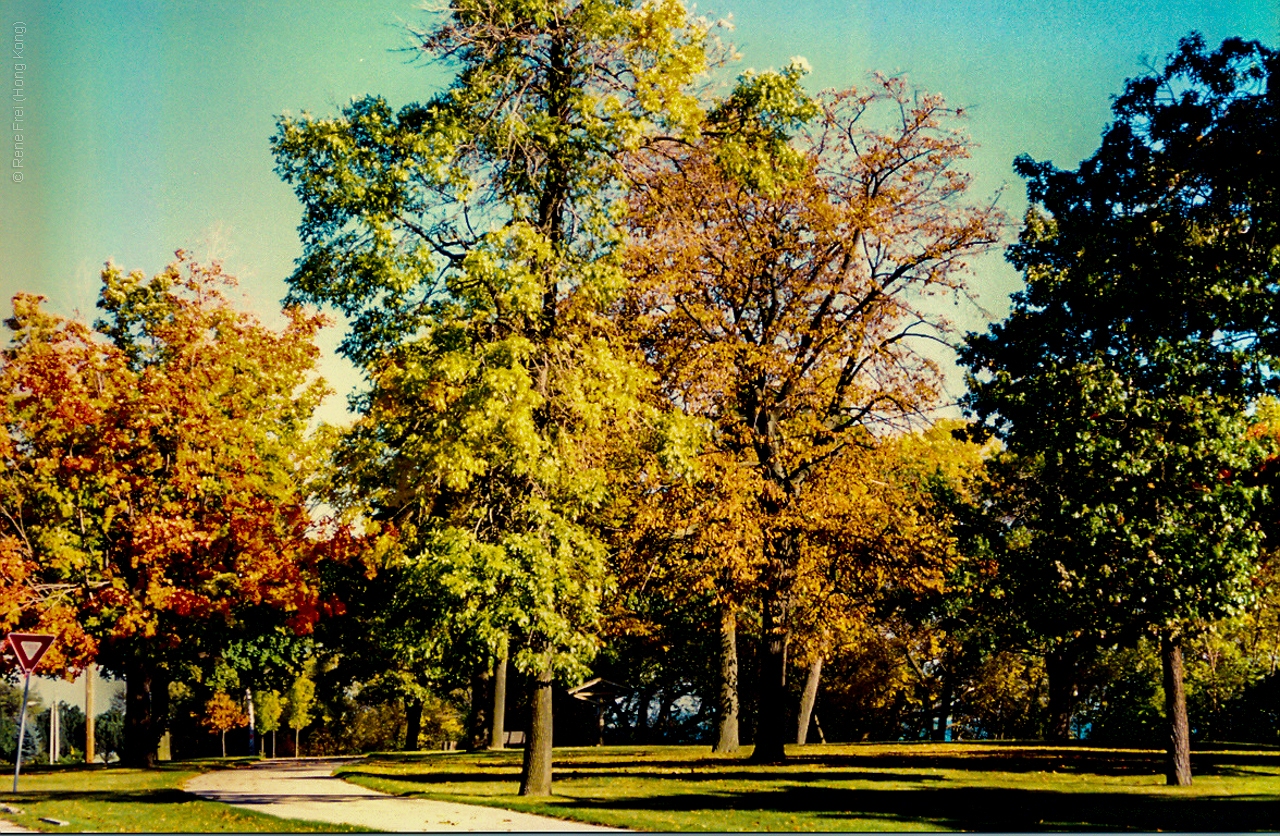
<point>298,705</point>
<point>1123,375</point>
<point>267,710</point>
<point>109,729</point>
<point>470,241</point>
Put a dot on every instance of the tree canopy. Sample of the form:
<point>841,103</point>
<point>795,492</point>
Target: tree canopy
<point>155,490</point>
<point>786,310</point>
<point>470,239</point>
<point>1124,374</point>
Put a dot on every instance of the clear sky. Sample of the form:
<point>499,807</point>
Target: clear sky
<point>146,123</point>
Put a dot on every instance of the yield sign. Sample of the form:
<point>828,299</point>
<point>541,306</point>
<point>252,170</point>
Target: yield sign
<point>29,648</point>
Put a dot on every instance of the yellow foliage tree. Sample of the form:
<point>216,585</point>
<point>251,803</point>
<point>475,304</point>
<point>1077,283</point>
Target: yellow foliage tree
<point>221,715</point>
<point>787,310</point>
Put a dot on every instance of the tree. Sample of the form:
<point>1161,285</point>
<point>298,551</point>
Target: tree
<point>884,549</point>
<point>692,542</point>
<point>109,729</point>
<point>221,715</point>
<point>155,487</point>
<point>267,709</point>
<point>470,241</point>
<point>298,705</point>
<point>783,309</point>
<point>1123,375</point>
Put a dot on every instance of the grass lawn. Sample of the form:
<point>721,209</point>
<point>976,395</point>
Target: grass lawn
<point>113,799</point>
<point>963,786</point>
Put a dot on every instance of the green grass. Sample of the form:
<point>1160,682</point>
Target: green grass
<point>113,799</point>
<point>972,786</point>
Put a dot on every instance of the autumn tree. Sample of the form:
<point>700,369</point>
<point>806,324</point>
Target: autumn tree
<point>1124,374</point>
<point>692,541</point>
<point>470,241</point>
<point>222,714</point>
<point>155,488</point>
<point>881,546</point>
<point>788,303</point>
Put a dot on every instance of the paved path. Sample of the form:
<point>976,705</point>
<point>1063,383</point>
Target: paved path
<point>306,789</point>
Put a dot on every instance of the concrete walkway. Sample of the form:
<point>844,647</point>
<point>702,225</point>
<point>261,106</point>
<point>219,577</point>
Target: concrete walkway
<point>305,788</point>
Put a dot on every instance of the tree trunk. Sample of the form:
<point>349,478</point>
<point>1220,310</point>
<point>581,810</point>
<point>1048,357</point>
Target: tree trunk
<point>1175,708</point>
<point>1060,664</point>
<point>727,713</point>
<point>808,698</point>
<point>413,723</point>
<point>479,718</point>
<point>771,706</point>
<point>145,715</point>
<point>772,727</point>
<point>535,776</point>
<point>644,729</point>
<point>223,738</point>
<point>497,735</point>
<point>942,717</point>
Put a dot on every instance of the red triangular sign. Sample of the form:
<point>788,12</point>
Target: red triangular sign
<point>29,648</point>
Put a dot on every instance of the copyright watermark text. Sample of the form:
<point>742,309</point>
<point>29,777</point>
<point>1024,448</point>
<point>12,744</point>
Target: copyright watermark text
<point>17,128</point>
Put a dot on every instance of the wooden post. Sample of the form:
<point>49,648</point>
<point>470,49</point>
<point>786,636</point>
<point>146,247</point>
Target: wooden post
<point>90,743</point>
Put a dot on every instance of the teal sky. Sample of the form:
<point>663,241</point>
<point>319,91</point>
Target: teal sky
<point>147,123</point>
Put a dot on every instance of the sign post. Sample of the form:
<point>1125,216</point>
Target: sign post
<point>29,648</point>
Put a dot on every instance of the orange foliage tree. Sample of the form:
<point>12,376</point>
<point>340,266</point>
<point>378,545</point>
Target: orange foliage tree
<point>153,503</point>
<point>221,715</point>
<point>786,305</point>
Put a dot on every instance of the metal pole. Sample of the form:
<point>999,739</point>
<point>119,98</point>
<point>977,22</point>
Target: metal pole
<point>22,730</point>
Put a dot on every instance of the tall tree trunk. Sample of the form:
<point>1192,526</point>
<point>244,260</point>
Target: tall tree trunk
<point>535,776</point>
<point>1175,708</point>
<point>942,719</point>
<point>772,726</point>
<point>223,737</point>
<point>146,714</point>
<point>942,716</point>
<point>497,735</point>
<point>1061,666</point>
<point>727,709</point>
<point>771,706</point>
<point>771,711</point>
<point>480,717</point>
<point>808,698</point>
<point>413,723</point>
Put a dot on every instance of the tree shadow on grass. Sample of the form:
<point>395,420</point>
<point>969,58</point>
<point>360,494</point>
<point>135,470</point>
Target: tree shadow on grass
<point>981,809</point>
<point>658,773</point>
<point>905,766</point>
<point>155,796</point>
